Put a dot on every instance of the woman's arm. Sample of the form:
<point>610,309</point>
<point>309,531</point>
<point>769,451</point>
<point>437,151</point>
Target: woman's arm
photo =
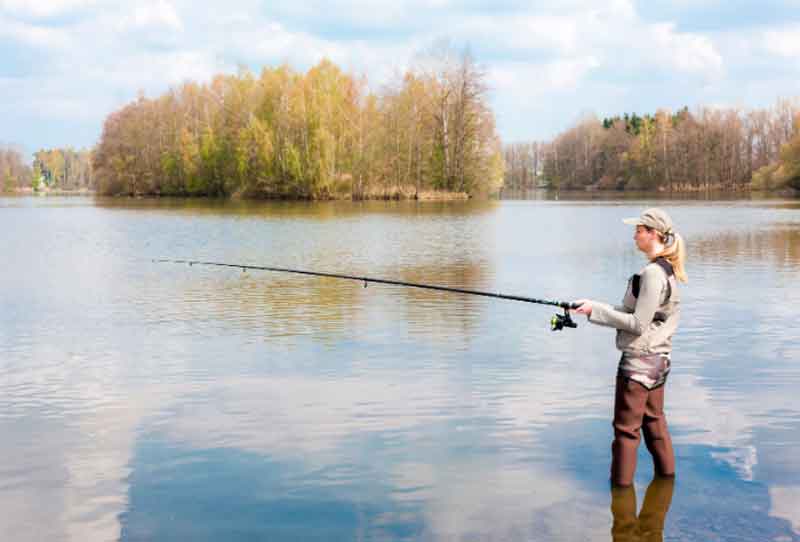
<point>650,287</point>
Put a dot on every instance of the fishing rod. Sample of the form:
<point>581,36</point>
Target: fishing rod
<point>557,322</point>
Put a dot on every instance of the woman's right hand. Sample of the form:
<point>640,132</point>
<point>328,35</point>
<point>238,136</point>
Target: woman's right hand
<point>584,308</point>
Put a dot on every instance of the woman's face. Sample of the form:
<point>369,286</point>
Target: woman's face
<point>644,238</point>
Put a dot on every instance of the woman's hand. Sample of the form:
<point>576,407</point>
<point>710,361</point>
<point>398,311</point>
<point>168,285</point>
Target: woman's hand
<point>585,307</point>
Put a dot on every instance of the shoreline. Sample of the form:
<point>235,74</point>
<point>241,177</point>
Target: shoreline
<point>434,195</point>
<point>27,191</point>
<point>375,195</point>
<point>688,192</point>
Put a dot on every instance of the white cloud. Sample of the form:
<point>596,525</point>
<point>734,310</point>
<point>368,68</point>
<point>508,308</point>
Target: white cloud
<point>43,8</point>
<point>48,102</point>
<point>568,73</point>
<point>153,72</point>
<point>155,14</point>
<point>547,63</point>
<point>524,80</point>
<point>268,42</point>
<point>33,35</point>
<point>557,34</point>
<point>686,52</point>
<point>274,42</point>
<point>784,42</point>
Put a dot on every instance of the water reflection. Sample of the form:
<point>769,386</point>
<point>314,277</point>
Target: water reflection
<point>778,244</point>
<point>785,503</point>
<point>282,210</point>
<point>148,402</point>
<point>248,495</point>
<point>283,305</point>
<point>446,316</point>
<point>648,524</point>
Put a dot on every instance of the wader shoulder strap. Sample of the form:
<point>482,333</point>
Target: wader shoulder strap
<point>663,264</point>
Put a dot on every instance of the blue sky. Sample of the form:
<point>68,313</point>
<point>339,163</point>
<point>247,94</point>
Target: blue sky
<point>65,64</point>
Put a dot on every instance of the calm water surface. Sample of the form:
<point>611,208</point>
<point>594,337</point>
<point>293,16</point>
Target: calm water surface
<point>143,401</point>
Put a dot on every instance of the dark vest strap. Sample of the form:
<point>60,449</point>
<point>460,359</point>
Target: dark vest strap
<point>667,267</point>
<point>663,264</point>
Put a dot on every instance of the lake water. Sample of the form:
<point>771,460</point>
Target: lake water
<point>152,401</point>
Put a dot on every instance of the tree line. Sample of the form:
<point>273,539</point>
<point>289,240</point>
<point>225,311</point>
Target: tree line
<point>64,169</point>
<point>725,149</point>
<point>59,169</point>
<point>14,172</point>
<point>313,135</point>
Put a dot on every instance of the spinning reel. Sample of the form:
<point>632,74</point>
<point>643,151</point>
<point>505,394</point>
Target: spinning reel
<point>560,321</point>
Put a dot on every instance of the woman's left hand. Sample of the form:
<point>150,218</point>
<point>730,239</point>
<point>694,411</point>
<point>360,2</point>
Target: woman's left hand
<point>585,307</point>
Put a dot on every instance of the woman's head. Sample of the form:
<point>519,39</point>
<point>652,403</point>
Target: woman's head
<point>656,237</point>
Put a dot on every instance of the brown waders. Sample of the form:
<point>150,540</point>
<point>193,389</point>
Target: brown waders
<point>637,408</point>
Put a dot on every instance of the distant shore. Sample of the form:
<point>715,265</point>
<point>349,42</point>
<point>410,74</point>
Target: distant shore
<point>408,194</point>
<point>399,193</point>
<point>709,193</point>
<point>28,191</point>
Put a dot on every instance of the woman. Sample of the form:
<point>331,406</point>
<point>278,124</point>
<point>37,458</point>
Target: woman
<point>645,323</point>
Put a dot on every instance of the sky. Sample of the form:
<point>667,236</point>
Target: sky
<point>66,64</point>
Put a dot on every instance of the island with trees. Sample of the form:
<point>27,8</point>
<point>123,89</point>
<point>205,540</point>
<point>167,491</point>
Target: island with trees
<point>315,135</point>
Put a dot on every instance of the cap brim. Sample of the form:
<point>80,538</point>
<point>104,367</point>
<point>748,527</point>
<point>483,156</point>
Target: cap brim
<point>635,221</point>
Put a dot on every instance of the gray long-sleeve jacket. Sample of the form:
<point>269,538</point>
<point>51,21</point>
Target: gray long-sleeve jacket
<point>644,323</point>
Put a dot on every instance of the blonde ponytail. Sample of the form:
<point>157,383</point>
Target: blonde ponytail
<point>675,254</point>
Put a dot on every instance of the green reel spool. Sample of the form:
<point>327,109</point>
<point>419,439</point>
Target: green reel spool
<point>560,321</point>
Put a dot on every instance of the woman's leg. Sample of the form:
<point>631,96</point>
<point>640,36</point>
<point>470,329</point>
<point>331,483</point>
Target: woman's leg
<point>630,399</point>
<point>656,433</point>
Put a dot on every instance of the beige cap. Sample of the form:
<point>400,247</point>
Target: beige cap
<point>654,218</point>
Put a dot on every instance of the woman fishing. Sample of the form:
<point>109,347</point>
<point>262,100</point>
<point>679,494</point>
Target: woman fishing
<point>645,323</point>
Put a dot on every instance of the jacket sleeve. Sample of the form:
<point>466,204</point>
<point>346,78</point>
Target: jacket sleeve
<point>650,287</point>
